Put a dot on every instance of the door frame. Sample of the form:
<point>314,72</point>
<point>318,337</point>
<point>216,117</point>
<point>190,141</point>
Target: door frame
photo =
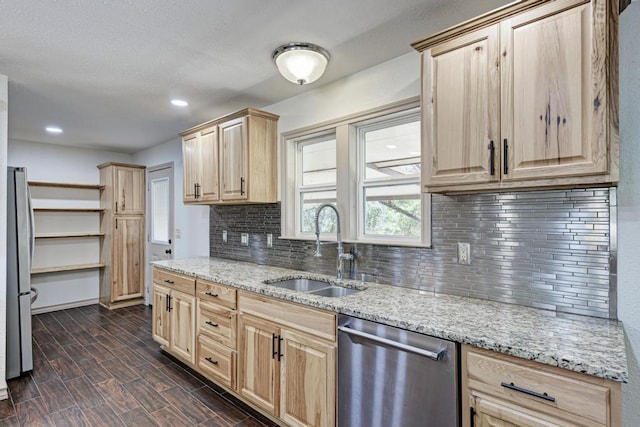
<point>148,298</point>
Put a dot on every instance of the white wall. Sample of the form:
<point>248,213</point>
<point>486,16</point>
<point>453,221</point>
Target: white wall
<point>391,81</point>
<point>47,162</point>
<point>4,101</point>
<point>629,207</point>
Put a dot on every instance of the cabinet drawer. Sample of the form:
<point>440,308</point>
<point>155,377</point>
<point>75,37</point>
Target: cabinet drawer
<point>217,361</point>
<point>219,323</point>
<point>174,281</point>
<point>511,379</point>
<point>312,321</point>
<point>214,292</point>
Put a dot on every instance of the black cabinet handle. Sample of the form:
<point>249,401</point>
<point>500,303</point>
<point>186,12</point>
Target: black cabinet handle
<point>197,191</point>
<point>210,360</point>
<point>211,294</point>
<point>116,223</point>
<point>171,282</point>
<point>116,206</point>
<point>166,303</point>
<point>492,160</point>
<point>210,323</point>
<point>280,355</point>
<point>472,417</point>
<point>169,308</point>
<point>273,346</point>
<point>512,386</point>
<point>505,157</point>
<point>241,186</point>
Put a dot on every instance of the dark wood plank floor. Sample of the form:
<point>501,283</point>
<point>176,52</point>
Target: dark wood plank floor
<point>95,367</point>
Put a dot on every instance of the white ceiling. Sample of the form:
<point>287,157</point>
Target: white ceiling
<point>105,70</point>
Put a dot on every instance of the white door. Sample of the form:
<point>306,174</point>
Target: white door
<point>160,217</point>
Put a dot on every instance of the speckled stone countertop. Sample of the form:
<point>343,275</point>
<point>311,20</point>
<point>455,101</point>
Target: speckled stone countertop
<point>577,343</point>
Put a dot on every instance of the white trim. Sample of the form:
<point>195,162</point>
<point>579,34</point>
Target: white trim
<point>64,306</point>
<point>349,179</point>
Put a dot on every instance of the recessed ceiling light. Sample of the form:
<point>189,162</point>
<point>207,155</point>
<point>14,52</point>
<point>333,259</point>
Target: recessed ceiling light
<point>391,146</point>
<point>53,129</point>
<point>179,102</point>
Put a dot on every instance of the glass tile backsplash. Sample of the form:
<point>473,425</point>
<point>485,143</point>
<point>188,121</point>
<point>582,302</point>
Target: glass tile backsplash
<point>547,249</point>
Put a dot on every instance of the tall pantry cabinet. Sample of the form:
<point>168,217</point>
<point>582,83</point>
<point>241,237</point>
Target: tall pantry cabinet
<point>122,252</point>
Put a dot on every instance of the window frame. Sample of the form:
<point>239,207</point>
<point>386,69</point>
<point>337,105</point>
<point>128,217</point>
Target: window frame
<point>348,173</point>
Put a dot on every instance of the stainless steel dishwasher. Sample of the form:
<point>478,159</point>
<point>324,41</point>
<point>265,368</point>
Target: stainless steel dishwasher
<point>389,377</point>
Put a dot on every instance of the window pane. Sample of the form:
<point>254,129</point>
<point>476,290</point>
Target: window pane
<point>319,162</point>
<point>393,210</point>
<point>160,210</point>
<point>310,202</point>
<point>393,151</point>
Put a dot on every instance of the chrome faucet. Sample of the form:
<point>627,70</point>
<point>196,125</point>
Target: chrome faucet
<point>341,255</point>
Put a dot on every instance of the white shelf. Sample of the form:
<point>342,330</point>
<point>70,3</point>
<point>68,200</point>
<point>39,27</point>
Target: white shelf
<point>67,235</point>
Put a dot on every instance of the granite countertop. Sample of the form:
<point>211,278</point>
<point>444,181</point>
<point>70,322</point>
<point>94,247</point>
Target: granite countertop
<point>578,343</point>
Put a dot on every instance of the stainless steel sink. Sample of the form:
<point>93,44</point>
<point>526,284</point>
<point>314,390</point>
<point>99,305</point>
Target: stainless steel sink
<point>335,291</point>
<point>314,287</point>
<point>301,285</point>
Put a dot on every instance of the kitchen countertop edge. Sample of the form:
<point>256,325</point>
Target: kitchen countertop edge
<point>581,344</point>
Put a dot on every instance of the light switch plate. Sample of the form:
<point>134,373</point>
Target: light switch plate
<point>178,234</point>
<point>269,240</point>
<point>244,239</point>
<point>224,236</point>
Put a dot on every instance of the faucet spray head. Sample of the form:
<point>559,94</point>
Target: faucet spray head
<point>318,254</point>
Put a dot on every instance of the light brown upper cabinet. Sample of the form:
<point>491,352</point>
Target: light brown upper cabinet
<point>199,151</point>
<point>231,159</point>
<point>522,97</point>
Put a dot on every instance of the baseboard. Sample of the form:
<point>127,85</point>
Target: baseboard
<point>65,306</point>
<point>4,390</point>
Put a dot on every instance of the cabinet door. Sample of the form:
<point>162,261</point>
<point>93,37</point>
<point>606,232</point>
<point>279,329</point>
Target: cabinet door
<point>234,159</point>
<point>259,369</point>
<point>210,168</point>
<point>191,166</point>
<point>494,413</point>
<point>554,98</point>
<point>183,322</point>
<point>461,110</point>
<point>127,258</point>
<point>161,326</point>
<point>129,191</point>
<point>307,389</point>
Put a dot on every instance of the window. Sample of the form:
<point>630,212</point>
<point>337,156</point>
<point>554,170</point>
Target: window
<point>368,166</point>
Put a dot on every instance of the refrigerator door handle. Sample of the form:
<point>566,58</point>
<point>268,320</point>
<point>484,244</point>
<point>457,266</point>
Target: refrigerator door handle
<point>34,295</point>
<point>32,230</point>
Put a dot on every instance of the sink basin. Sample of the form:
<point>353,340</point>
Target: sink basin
<point>314,287</point>
<point>301,285</point>
<point>335,291</point>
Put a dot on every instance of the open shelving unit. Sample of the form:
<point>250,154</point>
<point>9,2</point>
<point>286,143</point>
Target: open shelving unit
<point>67,243</point>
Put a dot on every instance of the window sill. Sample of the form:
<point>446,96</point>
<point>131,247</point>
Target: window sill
<point>364,242</point>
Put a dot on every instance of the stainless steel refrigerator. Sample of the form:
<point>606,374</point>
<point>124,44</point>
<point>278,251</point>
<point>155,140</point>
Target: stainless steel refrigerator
<point>20,294</point>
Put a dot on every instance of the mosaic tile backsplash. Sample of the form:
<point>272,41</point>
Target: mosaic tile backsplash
<point>545,249</point>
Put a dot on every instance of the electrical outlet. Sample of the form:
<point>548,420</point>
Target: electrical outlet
<point>178,233</point>
<point>269,240</point>
<point>224,236</point>
<point>464,253</point>
<point>244,239</point>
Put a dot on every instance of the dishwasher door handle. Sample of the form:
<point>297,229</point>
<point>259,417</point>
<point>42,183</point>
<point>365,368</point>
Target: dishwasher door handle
<point>390,343</point>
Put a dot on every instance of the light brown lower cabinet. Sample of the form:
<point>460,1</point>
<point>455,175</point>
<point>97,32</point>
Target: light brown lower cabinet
<point>174,314</point>
<point>287,362</point>
<point>500,390</point>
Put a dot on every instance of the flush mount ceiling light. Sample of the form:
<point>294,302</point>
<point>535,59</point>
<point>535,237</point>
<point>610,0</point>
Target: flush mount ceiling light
<point>179,102</point>
<point>53,129</point>
<point>301,63</point>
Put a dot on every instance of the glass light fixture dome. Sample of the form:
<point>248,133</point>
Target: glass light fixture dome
<point>301,63</point>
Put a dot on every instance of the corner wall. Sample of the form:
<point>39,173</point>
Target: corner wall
<point>629,207</point>
<point>4,103</point>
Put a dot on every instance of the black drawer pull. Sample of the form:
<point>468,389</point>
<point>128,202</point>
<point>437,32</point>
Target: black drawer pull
<point>273,346</point>
<point>210,323</point>
<point>512,386</point>
<point>505,157</point>
<point>210,360</point>
<point>171,282</point>
<point>211,294</point>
